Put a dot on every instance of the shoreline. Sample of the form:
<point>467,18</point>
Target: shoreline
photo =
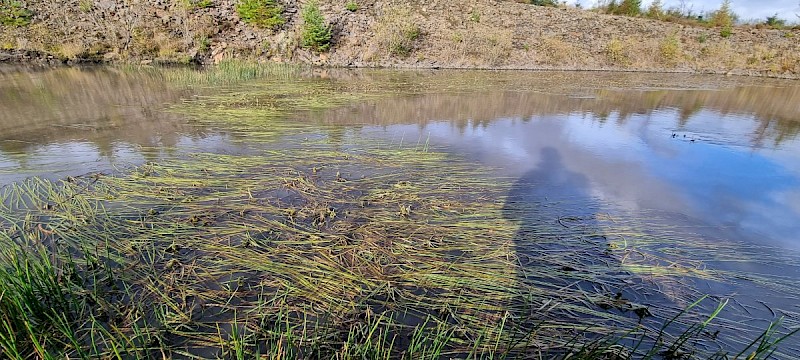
<point>51,61</point>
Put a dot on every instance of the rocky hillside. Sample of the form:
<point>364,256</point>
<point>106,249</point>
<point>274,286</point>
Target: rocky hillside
<point>366,33</point>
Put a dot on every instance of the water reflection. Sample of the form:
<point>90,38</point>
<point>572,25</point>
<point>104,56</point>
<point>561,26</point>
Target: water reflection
<point>717,171</point>
<point>727,156</point>
<point>759,116</point>
<point>551,180</point>
<point>72,121</point>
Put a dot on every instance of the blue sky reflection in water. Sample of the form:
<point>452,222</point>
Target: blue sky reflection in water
<point>709,171</point>
<point>717,181</point>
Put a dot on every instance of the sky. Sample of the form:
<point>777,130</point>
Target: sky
<point>746,9</point>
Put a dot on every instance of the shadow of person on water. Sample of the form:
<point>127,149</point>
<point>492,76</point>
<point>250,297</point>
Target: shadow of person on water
<point>567,276</point>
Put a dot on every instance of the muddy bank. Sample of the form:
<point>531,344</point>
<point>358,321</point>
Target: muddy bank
<point>392,33</point>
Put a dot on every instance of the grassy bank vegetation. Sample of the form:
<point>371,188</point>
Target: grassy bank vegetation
<point>324,242</point>
<point>509,34</point>
<point>263,13</point>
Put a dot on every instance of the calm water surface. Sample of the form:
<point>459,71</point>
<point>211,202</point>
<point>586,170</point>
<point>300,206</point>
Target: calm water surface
<point>703,157</point>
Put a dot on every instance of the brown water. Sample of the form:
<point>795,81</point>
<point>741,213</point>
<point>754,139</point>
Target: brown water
<point>706,158</point>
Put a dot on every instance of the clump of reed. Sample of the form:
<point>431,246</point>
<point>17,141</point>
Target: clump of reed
<point>228,71</point>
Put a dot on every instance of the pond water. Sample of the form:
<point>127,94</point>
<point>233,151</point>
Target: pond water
<point>702,162</point>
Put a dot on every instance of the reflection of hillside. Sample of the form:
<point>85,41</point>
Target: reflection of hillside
<point>99,105</point>
<point>775,108</point>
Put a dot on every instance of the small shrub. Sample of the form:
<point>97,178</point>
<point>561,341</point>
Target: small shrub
<point>266,47</point>
<point>726,31</point>
<point>261,13</point>
<point>615,52</point>
<point>655,10</point>
<point>630,7</point>
<point>14,14</point>
<point>167,47</point>
<point>475,16</point>
<point>724,17</point>
<point>203,43</point>
<point>719,55</point>
<point>670,49</point>
<point>789,64</point>
<point>702,38</point>
<point>775,22</point>
<point>761,55</point>
<point>351,6</point>
<point>315,34</point>
<point>625,7</point>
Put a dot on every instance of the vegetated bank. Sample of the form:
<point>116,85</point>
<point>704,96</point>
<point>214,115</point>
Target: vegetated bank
<point>369,33</point>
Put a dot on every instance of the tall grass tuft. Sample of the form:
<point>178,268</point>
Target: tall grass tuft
<point>229,71</point>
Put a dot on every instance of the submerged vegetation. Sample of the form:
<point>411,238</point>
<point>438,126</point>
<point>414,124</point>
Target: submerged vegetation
<point>333,244</point>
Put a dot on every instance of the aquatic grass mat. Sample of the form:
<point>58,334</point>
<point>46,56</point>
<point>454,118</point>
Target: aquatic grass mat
<point>320,242</point>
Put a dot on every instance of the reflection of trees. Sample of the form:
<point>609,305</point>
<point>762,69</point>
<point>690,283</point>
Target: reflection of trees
<point>96,105</point>
<point>773,104</point>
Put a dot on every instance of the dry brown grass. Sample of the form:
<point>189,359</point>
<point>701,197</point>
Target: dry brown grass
<point>554,51</point>
<point>8,39</point>
<point>202,26</point>
<point>718,56</point>
<point>479,45</point>
<point>41,38</point>
<point>396,31</point>
<point>789,64</point>
<point>168,46</point>
<point>70,50</point>
<point>761,57</point>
